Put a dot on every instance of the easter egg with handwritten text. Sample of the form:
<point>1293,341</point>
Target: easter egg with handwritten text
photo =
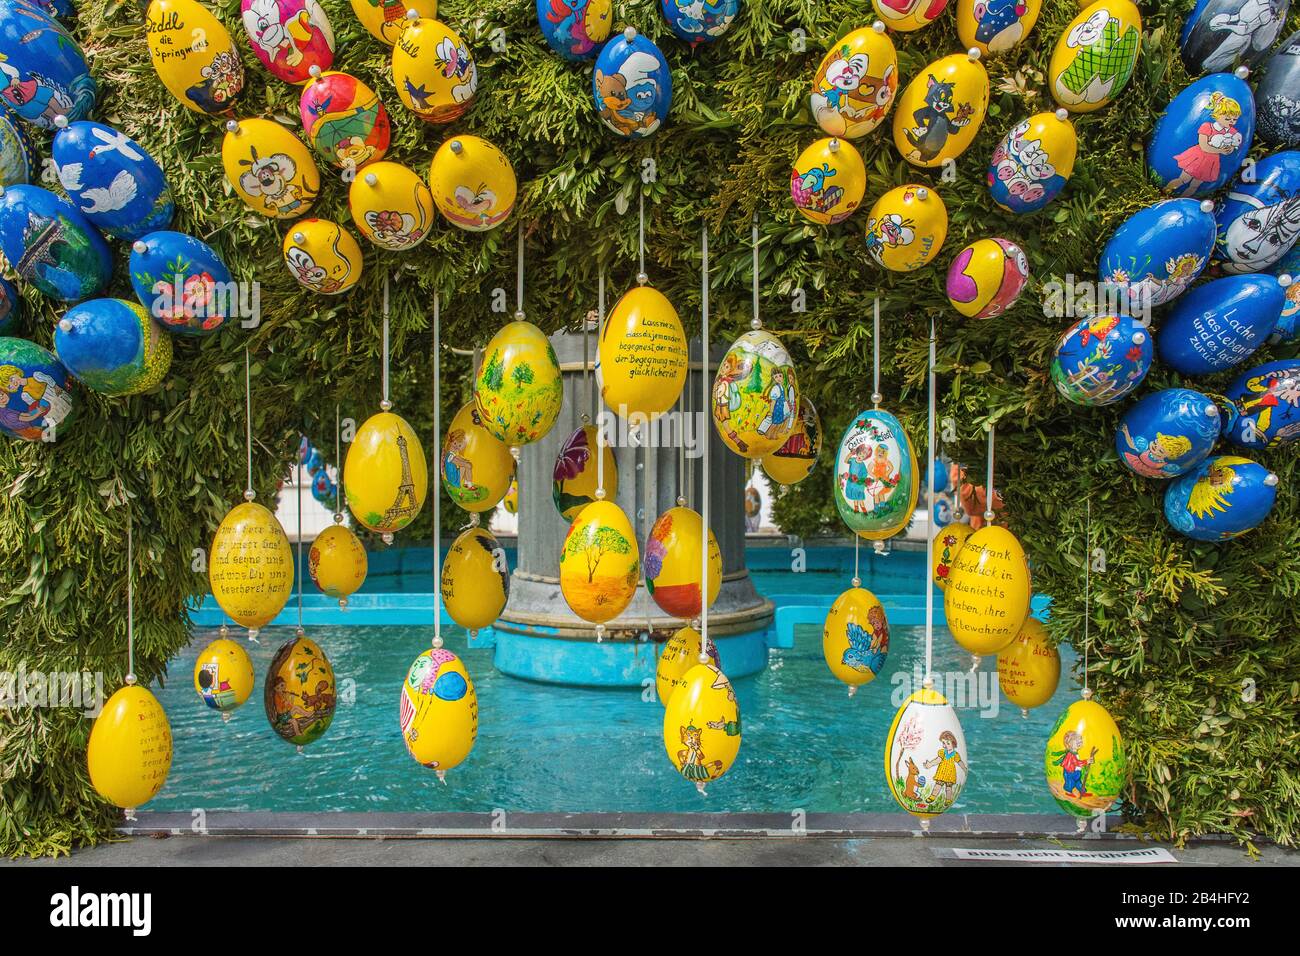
<point>855,637</point>
<point>926,761</point>
<point>1029,668</point>
<point>755,395</point>
<point>391,206</point>
<point>1167,433</point>
<point>206,77</point>
<point>434,71</point>
<point>129,752</point>
<point>36,392</point>
<point>476,466</point>
<point>828,181</point>
<point>986,278</point>
<point>475,579</point>
<point>702,725</point>
<point>44,74</point>
<point>1100,360</point>
<point>473,183</point>
<point>906,228</point>
<point>681,652</point>
<point>854,86</point>
<point>941,110</point>
<point>1033,162</point>
<point>518,390</point>
<point>113,347</point>
<point>1221,323</point>
<point>600,563</point>
<point>673,560</point>
<point>1096,55</point>
<point>1084,761</point>
<point>987,597</point>
<point>51,245</point>
<point>641,361</point>
<point>1223,498</point>
<point>337,561</point>
<point>223,675</point>
<point>1264,406</point>
<point>344,120</point>
<point>876,478</point>
<point>250,568</point>
<point>385,475</point>
<point>575,29</point>
<point>299,694</point>
<point>438,710</point>
<point>289,36</point>
<point>995,26</point>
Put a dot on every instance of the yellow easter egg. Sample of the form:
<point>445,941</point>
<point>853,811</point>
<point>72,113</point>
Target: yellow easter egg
<point>250,566</point>
<point>475,579</point>
<point>511,501</point>
<point>1029,668</point>
<point>702,725</point>
<point>473,183</point>
<point>1084,761</point>
<point>1096,55</point>
<point>477,468</point>
<point>438,710</point>
<point>299,693</point>
<point>925,755</point>
<point>223,675</point>
<point>681,652</point>
<point>642,358</point>
<point>600,563</point>
<point>987,597</point>
<point>391,206</point>
<point>995,26</point>
<point>673,559</point>
<point>322,256</point>
<point>207,77</point>
<point>518,390</point>
<point>755,395</point>
<point>385,477</point>
<point>948,542</point>
<point>906,228</point>
<point>130,748</point>
<point>270,168</point>
<point>794,461</point>
<point>855,84</point>
<point>574,480</point>
<point>1032,163</point>
<point>941,110</point>
<point>385,19</point>
<point>828,181</point>
<point>908,15</point>
<point>855,637</point>
<point>986,278</point>
<point>434,71</point>
<point>337,562</point>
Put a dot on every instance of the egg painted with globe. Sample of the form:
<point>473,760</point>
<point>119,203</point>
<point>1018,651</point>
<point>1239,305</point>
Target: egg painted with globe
<point>344,120</point>
<point>673,556</point>
<point>948,542</point>
<point>475,579</point>
<point>1096,55</point>
<point>473,183</point>
<point>755,395</point>
<point>1220,323</point>
<point>854,86</point>
<point>1084,761</point>
<point>1277,95</point>
<point>986,278</point>
<point>43,72</point>
<point>391,206</point>
<point>855,637</point>
<point>1100,360</point>
<point>1167,433</point>
<point>112,180</point>
<point>518,390</point>
<point>299,694</point>
<point>438,710</point>
<point>631,85</point>
<point>575,29</point>
<point>18,162</point>
<point>926,761</point>
<point>289,37</point>
<point>876,477</point>
<point>48,243</point>
<point>1157,253</point>
<point>322,256</point>
<point>183,283</point>
<point>1264,406</point>
<point>113,347</point>
<point>269,168</point>
<point>1222,34</point>
<point>1220,499</point>
<point>1033,162</point>
<point>1201,138</point>
<point>11,307</point>
<point>941,110</point>
<point>906,228</point>
<point>36,392</point>
<point>434,71</point>
<point>995,26</point>
<point>697,21</point>
<point>1259,220</point>
<point>205,77</point>
<point>828,181</point>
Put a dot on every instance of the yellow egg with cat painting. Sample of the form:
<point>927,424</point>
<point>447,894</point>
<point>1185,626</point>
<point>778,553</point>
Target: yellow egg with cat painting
<point>755,395</point>
<point>518,390</point>
<point>385,19</point>
<point>681,652</point>
<point>855,84</point>
<point>223,675</point>
<point>385,475</point>
<point>391,206</point>
<point>941,110</point>
<point>129,752</point>
<point>906,228</point>
<point>641,361</point>
<point>794,461</point>
<point>828,181</point>
<point>477,468</point>
<point>926,761</point>
<point>600,563</point>
<point>473,183</point>
<point>337,562</point>
<point>270,168</point>
<point>475,579</point>
<point>948,542</point>
<point>250,565</point>
<point>322,256</point>
<point>987,598</point>
<point>909,15</point>
<point>438,711</point>
<point>205,77</point>
<point>855,637</point>
<point>702,725</point>
<point>1029,668</point>
<point>434,71</point>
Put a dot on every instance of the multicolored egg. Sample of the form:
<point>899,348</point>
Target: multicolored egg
<point>575,29</point>
<point>475,580</point>
<point>696,21</point>
<point>1221,323</point>
<point>110,177</point>
<point>385,19</point>
<point>1029,668</point>
<point>986,278</point>
<point>1084,761</point>
<point>702,725</point>
<point>269,168</point>
<point>250,565</point>
<point>43,73</point>
<point>948,542</point>
<point>876,478</point>
<point>941,110</point>
<point>18,162</point>
<point>995,26</point>
<point>385,475</point>
<point>130,748</point>
<point>854,86</point>
<point>925,755</point>
<point>477,467</point>
<point>1033,162</point>
<point>1100,360</point>
<point>438,712</point>
<point>1286,329</point>
<point>631,85</point>
<point>641,360</point>
<point>1219,35</point>
<point>1167,433</point>
<point>183,283</point>
<point>794,461</point>
<point>1201,138</point>
<point>48,243</point>
<point>906,228</point>
<point>828,181</point>
<point>1157,253</point>
<point>344,120</point>
<point>322,256</point>
<point>755,395</point>
<point>1221,499</point>
<point>223,675</point>
<point>1264,406</point>
<point>473,183</point>
<point>205,77</point>
<point>1277,95</point>
<point>987,597</point>
<point>1259,221</point>
<point>299,693</point>
<point>289,36</point>
<point>574,480</point>
<point>391,206</point>
<point>11,307</point>
<point>113,347</point>
<point>855,637</point>
<point>433,71</point>
<point>518,390</point>
<point>681,652</point>
<point>673,560</point>
<point>908,15</point>
<point>1096,55</point>
<point>337,562</point>
<point>35,392</point>
<point>600,563</point>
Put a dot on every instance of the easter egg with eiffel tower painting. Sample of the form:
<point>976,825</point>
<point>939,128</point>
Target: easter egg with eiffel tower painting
<point>385,476</point>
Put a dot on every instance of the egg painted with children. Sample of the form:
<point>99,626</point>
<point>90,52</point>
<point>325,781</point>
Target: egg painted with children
<point>36,391</point>
<point>794,461</point>
<point>855,84</point>
<point>926,760</point>
<point>755,395</point>
<point>43,71</point>
<point>1167,433</point>
<point>477,467</point>
<point>1084,761</point>
<point>299,696</point>
<point>876,477</point>
<point>1033,162</point>
<point>1201,138</point>
<point>1222,498</point>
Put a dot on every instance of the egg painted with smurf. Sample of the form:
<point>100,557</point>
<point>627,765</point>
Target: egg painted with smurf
<point>289,37</point>
<point>18,162</point>
<point>1167,433</point>
<point>112,179</point>
<point>854,86</point>
<point>1223,34</point>
<point>1203,135</point>
<point>1259,221</point>
<point>43,72</point>
<point>631,85</point>
<point>1277,95</point>
<point>1221,499</point>
<point>995,26</point>
<point>50,244</point>
<point>183,283</point>
<point>699,21</point>
<point>36,391</point>
<point>1264,406</point>
<point>1221,323</point>
<point>1101,359</point>
<point>575,29</point>
<point>1033,162</point>
<point>1157,253</point>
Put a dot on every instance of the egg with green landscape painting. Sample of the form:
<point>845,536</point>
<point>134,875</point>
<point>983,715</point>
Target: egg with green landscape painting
<point>518,390</point>
<point>600,563</point>
<point>1084,761</point>
<point>755,395</point>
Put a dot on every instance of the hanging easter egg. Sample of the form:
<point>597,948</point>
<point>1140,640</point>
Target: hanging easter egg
<point>18,161</point>
<point>1264,406</point>
<point>1221,323</point>
<point>206,77</point>
<point>385,476</point>
<point>473,183</point>
<point>48,243</point>
<point>855,84</point>
<point>1100,360</point>
<point>937,480</point>
<point>1033,162</point>
<point>269,168</point>
<point>434,71</point>
<point>1277,95</point>
<point>941,110</point>
<point>1096,55</point>
<point>299,692</point>
<point>794,461</point>
<point>475,580</point>
<point>130,748</point>
<point>641,359</point>
<point>1084,761</point>
<point>702,725</point>
<point>699,22</point>
<point>117,186</point>
<point>438,713</point>
<point>1222,498</point>
<point>987,597</point>
<point>575,29</point>
<point>672,563</point>
<point>344,120</point>
<point>289,36</point>
<point>1203,135</point>
<point>1157,253</point>
<point>113,347</point>
<point>223,675</point>
<point>11,307</point>
<point>323,489</point>
<point>906,228</point>
<point>876,479</point>
<point>183,283</point>
<point>986,278</point>
<point>574,480</point>
<point>995,26</point>
<point>1167,433</point>
<point>43,73</point>
<point>948,542</point>
<point>477,467</point>
<point>631,85</point>
<point>1259,221</point>
<point>855,637</point>
<point>322,256</point>
<point>1029,668</point>
<point>511,501</point>
<point>337,562</point>
<point>926,762</point>
<point>908,15</point>
<point>518,390</point>
<point>250,566</point>
<point>600,563</point>
<point>385,19</point>
<point>1223,34</point>
<point>391,206</point>
<point>681,652</point>
<point>755,395</point>
<point>35,392</point>
<point>828,181</point>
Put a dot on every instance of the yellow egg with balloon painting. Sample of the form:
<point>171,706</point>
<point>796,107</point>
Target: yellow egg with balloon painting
<point>205,77</point>
<point>299,695</point>
<point>477,467</point>
<point>854,87</point>
<point>908,15</point>
<point>438,710</point>
<point>391,206</point>
<point>794,461</point>
<point>941,110</point>
<point>1029,668</point>
<point>250,566</point>
<point>948,542</point>
<point>270,168</point>
<point>906,228</point>
<point>576,475</point>
<point>1084,761</point>
<point>995,26</point>
<point>681,652</point>
<point>130,748</point>
<point>518,390</point>
<point>988,593</point>
<point>1095,55</point>
<point>385,476</point>
<point>385,19</point>
<point>223,675</point>
<point>434,71</point>
<point>473,183</point>
<point>337,563</point>
<point>926,762</point>
<point>828,181</point>
<point>641,361</point>
<point>855,637</point>
<point>702,725</point>
<point>600,563</point>
<point>322,256</point>
<point>1033,162</point>
<point>475,579</point>
<point>755,395</point>
<point>673,563</point>
<point>986,278</point>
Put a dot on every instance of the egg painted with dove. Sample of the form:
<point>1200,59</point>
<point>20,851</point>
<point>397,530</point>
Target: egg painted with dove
<point>112,179</point>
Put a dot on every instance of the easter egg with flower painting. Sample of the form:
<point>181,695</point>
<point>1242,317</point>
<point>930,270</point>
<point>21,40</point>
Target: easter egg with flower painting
<point>1222,498</point>
<point>1095,55</point>
<point>322,256</point>
<point>854,86</point>
<point>344,120</point>
<point>438,710</point>
<point>575,29</point>
<point>36,391</point>
<point>1201,138</point>
<point>205,77</point>
<point>1167,433</point>
<point>51,245</point>
<point>1264,406</point>
<point>1157,253</point>
<point>948,542</point>
<point>986,278</point>
<point>673,563</point>
<point>577,472</point>
<point>434,71</point>
<point>44,73</point>
<point>183,283</point>
<point>755,395</point>
<point>1099,360</point>
<point>855,637</point>
<point>289,37</point>
<point>828,181</point>
<point>1033,162</point>
<point>876,478</point>
<point>518,390</point>
<point>926,761</point>
<point>1084,762</point>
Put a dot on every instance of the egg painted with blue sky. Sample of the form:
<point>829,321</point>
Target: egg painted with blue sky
<point>1259,221</point>
<point>112,179</point>
<point>1100,360</point>
<point>1277,95</point>
<point>1222,34</point>
<point>438,712</point>
<point>1221,499</point>
<point>113,347</point>
<point>182,282</point>
<point>1167,433</point>
<point>1264,406</point>
<point>1157,253</point>
<point>575,29</point>
<point>51,245</point>
<point>632,85</point>
<point>43,73</point>
<point>1202,136</point>
<point>1220,323</point>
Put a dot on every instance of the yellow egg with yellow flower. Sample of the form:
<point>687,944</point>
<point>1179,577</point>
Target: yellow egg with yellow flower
<point>855,637</point>
<point>434,71</point>
<point>477,467</point>
<point>681,652</point>
<point>391,205</point>
<point>130,749</point>
<point>473,183</point>
<point>1029,668</point>
<point>250,565</point>
<point>223,675</point>
<point>438,711</point>
<point>600,563</point>
<point>987,598</point>
<point>941,110</point>
<point>702,725</point>
<point>337,562</point>
<point>906,228</point>
<point>828,181</point>
<point>475,579</point>
<point>385,475</point>
<point>641,361</point>
<point>271,169</point>
<point>518,390</point>
<point>322,256</point>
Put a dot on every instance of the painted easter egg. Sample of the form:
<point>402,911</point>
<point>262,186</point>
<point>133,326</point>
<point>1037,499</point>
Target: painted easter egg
<point>908,15</point>
<point>1259,220</point>
<point>322,256</point>
<point>111,179</point>
<point>269,168</point>
<point>1277,96</point>
<point>299,692</point>
<point>18,161</point>
<point>948,542</point>
<point>250,567</point>
<point>385,19</point>
<point>941,110</point>
<point>323,489</point>
<point>986,278</point>
<point>1264,406</point>
<point>631,85</point>
<point>876,478</point>
<point>391,206</point>
<point>1100,360</point>
<point>906,228</point>
<point>43,73</point>
<point>1084,762</point>
<point>206,77</point>
<point>130,748</point>
<point>1220,323</point>
<point>699,22</point>
<point>1288,323</point>
<point>183,283</point>
<point>477,467</point>
<point>794,461</point>
<point>385,476</point>
<point>673,555</point>
<point>702,725</point>
<point>574,480</point>
<point>1167,433</point>
<point>337,562</point>
<point>1222,34</point>
<point>995,26</point>
<point>473,183</point>
<point>642,357</point>
<point>434,71</point>
<point>600,563</point>
<point>925,755</point>
<point>828,181</point>
<point>344,120</point>
<point>1029,668</point>
<point>1096,55</point>
<point>987,597</point>
<point>48,243</point>
<point>1201,138</point>
<point>575,29</point>
<point>681,652</point>
<point>1222,498</point>
<point>475,579</point>
<point>755,395</point>
<point>289,36</point>
<point>1157,253</point>
<point>11,307</point>
<point>113,347</point>
<point>1033,162</point>
<point>36,391</point>
<point>855,637</point>
<point>511,501</point>
<point>518,390</point>
<point>223,675</point>
<point>854,86</point>
<point>438,712</point>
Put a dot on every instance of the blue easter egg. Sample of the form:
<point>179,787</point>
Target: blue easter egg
<point>1259,220</point>
<point>314,461</point>
<point>575,29</point>
<point>35,392</point>
<point>1167,433</point>
<point>1219,35</point>
<point>1264,406</point>
<point>43,73</point>
<point>631,85</point>
<point>51,245</point>
<point>17,161</point>
<point>1203,135</point>
<point>1219,324</point>
<point>322,489</point>
<point>1277,95</point>
<point>1221,498</point>
<point>1157,253</point>
<point>699,21</point>
<point>113,346</point>
<point>1287,323</point>
<point>112,179</point>
<point>11,307</point>
<point>182,282</point>
<point>1100,360</point>
<point>304,449</point>
<point>939,475</point>
<point>942,513</point>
